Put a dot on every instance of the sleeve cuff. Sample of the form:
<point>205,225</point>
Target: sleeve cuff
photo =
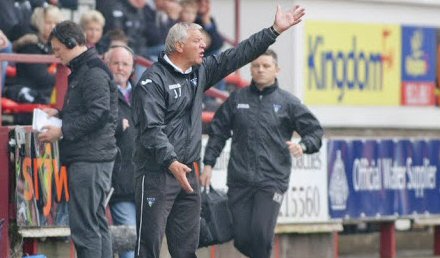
<point>274,32</point>
<point>167,163</point>
<point>209,163</point>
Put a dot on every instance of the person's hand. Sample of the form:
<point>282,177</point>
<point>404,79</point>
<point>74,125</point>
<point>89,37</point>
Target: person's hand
<point>205,177</point>
<point>51,111</point>
<point>287,19</point>
<point>50,134</point>
<point>295,149</point>
<point>125,124</point>
<point>4,42</point>
<point>179,171</point>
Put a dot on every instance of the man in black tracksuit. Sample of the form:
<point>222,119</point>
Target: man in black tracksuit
<point>167,106</point>
<point>88,144</point>
<point>261,120</point>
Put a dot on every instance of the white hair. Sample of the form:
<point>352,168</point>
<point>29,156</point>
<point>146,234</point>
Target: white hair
<point>178,33</point>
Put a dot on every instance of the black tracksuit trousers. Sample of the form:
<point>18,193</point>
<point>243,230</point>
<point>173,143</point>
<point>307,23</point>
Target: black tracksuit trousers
<point>254,214</point>
<point>163,207</point>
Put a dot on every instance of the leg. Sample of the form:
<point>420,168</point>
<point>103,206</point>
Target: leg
<point>89,229</point>
<point>124,213</point>
<point>263,221</point>
<point>240,203</point>
<point>154,199</point>
<point>183,227</point>
<point>103,186</point>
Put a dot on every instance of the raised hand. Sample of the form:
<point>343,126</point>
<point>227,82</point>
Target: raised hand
<point>286,19</point>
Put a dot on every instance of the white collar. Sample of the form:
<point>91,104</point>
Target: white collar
<point>189,70</point>
<point>127,89</point>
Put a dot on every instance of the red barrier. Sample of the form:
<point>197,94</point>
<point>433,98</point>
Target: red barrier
<point>236,80</point>
<point>11,107</point>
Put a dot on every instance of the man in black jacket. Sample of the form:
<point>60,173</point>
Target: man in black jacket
<point>167,107</point>
<point>261,120</point>
<point>120,60</point>
<point>87,136</point>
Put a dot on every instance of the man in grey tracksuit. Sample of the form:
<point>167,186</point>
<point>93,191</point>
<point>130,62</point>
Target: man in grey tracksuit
<point>167,106</point>
<point>260,119</point>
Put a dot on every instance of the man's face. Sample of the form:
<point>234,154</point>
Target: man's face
<point>93,32</point>
<point>194,47</point>
<point>61,51</point>
<point>121,65</point>
<point>264,71</point>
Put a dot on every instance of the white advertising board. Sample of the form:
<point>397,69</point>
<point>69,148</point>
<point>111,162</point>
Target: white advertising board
<point>305,200</point>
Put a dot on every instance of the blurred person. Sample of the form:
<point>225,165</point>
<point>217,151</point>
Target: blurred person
<point>167,107</point>
<point>205,19</point>
<point>159,20</point>
<point>35,81</point>
<point>87,138</point>
<point>9,22</point>
<point>261,120</point>
<point>214,43</point>
<point>92,22</point>
<point>5,47</point>
<point>117,38</point>
<point>128,16</point>
<point>120,60</point>
<point>189,11</point>
<point>114,38</point>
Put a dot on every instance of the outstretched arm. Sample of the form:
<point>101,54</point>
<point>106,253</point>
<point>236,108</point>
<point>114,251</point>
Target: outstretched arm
<point>286,19</point>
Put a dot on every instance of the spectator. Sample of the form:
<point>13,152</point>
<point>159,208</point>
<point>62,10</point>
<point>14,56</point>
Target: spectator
<point>120,60</point>
<point>261,120</point>
<point>34,82</point>
<point>92,22</point>
<point>189,11</point>
<point>205,19</point>
<point>158,22</point>
<point>117,38</point>
<point>167,107</point>
<point>128,16</point>
<point>5,47</point>
<point>213,46</point>
<point>88,145</point>
<point>9,21</point>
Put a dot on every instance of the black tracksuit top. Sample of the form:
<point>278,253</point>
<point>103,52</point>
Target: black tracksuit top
<point>167,105</point>
<point>260,123</point>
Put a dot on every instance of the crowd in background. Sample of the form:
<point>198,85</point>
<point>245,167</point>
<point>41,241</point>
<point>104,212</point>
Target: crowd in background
<point>140,24</point>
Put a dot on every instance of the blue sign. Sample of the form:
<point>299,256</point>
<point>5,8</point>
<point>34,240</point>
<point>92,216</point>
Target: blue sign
<point>419,56</point>
<point>373,179</point>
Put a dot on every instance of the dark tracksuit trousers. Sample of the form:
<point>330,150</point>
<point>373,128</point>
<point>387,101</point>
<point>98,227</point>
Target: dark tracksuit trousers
<point>254,215</point>
<point>165,208</point>
<point>89,184</point>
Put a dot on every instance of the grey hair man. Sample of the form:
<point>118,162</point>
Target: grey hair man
<point>167,107</point>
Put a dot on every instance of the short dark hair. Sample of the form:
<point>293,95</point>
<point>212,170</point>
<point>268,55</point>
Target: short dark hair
<point>117,34</point>
<point>68,33</point>
<point>271,53</point>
